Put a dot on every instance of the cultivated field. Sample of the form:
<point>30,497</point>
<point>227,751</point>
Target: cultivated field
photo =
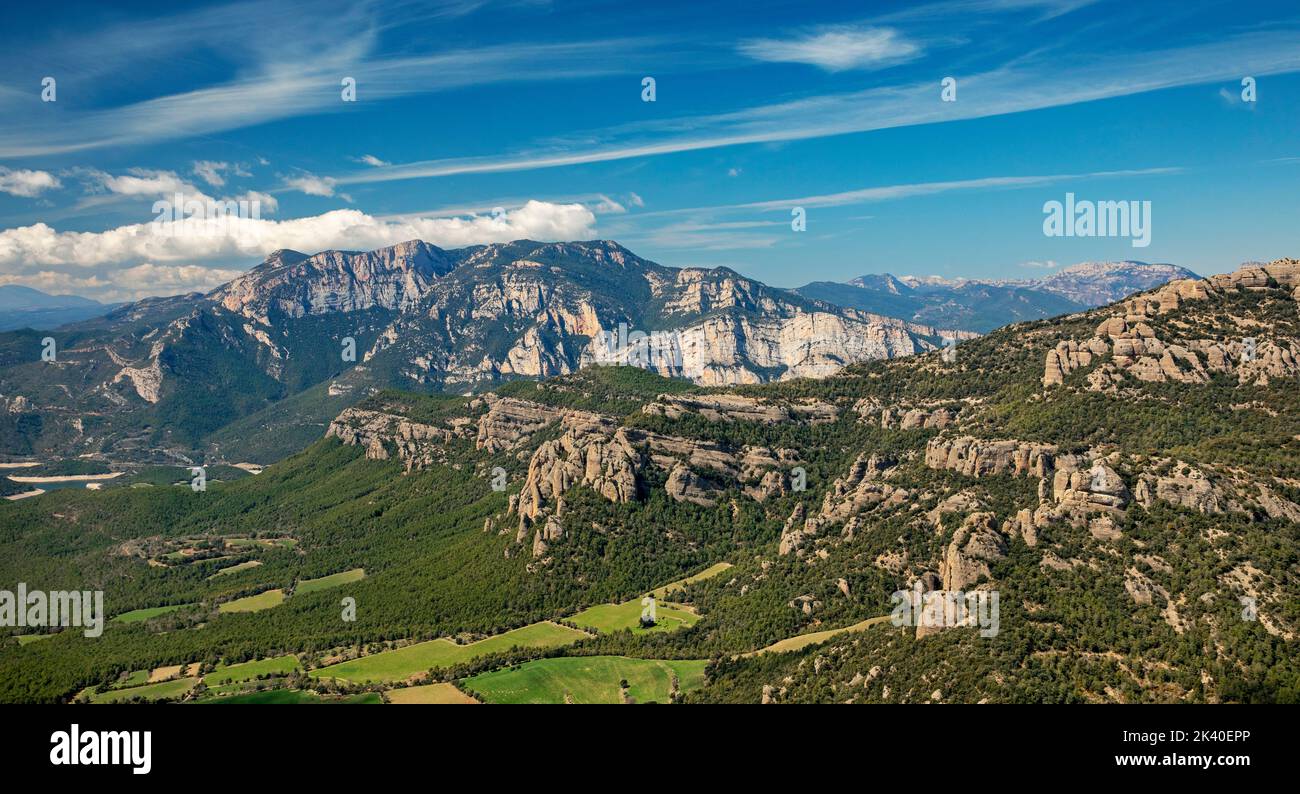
<point>801,641</point>
<point>325,582</point>
<point>243,566</point>
<point>429,693</point>
<point>661,593</point>
<point>255,603</point>
<point>246,671</point>
<point>138,615</point>
<point>167,690</point>
<point>587,679</point>
<point>402,663</point>
<point>606,618</point>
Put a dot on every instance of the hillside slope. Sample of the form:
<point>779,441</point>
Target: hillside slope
<point>1125,480</point>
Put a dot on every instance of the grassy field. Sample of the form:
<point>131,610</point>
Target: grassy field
<point>801,641</point>
<point>136,678</point>
<point>26,639</point>
<point>255,603</point>
<point>326,582</point>
<point>429,693</point>
<point>587,679</point>
<point>243,566</point>
<point>400,664</point>
<point>627,615</point>
<point>168,690</point>
<point>661,593</point>
<point>139,615</point>
<point>245,671</point>
<point>281,697</point>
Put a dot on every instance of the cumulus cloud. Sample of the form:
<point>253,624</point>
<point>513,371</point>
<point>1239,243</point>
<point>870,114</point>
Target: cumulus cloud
<point>146,182</point>
<point>836,49</point>
<point>167,258</point>
<point>311,184</point>
<point>26,183</point>
<point>268,204</point>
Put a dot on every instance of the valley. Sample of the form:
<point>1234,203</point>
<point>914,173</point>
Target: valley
<point>1124,478</point>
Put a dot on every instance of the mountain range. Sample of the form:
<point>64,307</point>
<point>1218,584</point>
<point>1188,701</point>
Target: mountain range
<point>255,369</point>
<point>325,329</point>
<point>982,305</point>
<point>24,307</point>
<point>1120,486</point>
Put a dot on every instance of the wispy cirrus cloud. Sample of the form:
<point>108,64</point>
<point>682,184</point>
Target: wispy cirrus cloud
<point>701,230</point>
<point>836,49</point>
<point>1028,85</point>
<point>281,64</point>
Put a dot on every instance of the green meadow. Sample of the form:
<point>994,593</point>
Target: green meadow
<point>246,671</point>
<point>661,593</point>
<point>255,603</point>
<point>325,582</point>
<point>587,679</point>
<point>402,663</point>
<point>139,615</point>
<point>167,690</point>
<point>243,566</point>
<point>607,618</point>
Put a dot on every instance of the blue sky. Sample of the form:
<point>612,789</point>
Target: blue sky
<point>536,108</point>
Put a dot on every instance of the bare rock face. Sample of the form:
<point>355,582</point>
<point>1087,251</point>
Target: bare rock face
<point>417,445</point>
<point>592,451</point>
<point>1137,350</point>
<point>974,545</point>
<point>547,534</point>
<point>1140,587</point>
<point>981,458</point>
<point>735,407</point>
<point>772,485</point>
<point>1186,487</point>
<point>294,285</point>
<point>904,417</point>
<point>684,485</point>
<point>1098,488</point>
<point>510,422</point>
<point>861,490</point>
<point>796,530</point>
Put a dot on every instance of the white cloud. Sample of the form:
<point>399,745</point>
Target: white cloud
<point>147,182</point>
<point>1031,83</point>
<point>26,183</point>
<point>311,184</point>
<point>97,260</point>
<point>836,49</point>
<point>370,159</point>
<point>608,206</point>
<point>635,200</point>
<point>210,171</point>
<point>268,204</point>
